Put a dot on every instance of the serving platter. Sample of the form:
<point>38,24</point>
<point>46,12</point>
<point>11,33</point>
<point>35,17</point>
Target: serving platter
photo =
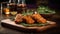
<point>11,24</point>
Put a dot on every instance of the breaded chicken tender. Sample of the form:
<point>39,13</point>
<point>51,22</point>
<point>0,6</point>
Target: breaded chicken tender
<point>38,18</point>
<point>18,18</point>
<point>28,19</point>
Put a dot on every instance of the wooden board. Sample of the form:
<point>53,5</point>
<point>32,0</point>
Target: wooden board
<point>11,24</point>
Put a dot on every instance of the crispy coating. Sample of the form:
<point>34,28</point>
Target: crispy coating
<point>28,19</point>
<point>19,18</point>
<point>39,18</point>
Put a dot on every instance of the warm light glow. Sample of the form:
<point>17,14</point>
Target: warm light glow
<point>6,10</point>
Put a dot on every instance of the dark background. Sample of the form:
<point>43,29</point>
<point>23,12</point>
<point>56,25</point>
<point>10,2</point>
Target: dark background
<point>27,1</point>
<point>55,4</point>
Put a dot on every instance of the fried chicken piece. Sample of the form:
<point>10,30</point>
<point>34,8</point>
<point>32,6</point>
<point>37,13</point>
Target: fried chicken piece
<point>18,18</point>
<point>38,18</point>
<point>28,19</point>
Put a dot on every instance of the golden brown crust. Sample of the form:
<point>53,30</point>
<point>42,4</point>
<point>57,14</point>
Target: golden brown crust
<point>39,18</point>
<point>19,18</point>
<point>28,19</point>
